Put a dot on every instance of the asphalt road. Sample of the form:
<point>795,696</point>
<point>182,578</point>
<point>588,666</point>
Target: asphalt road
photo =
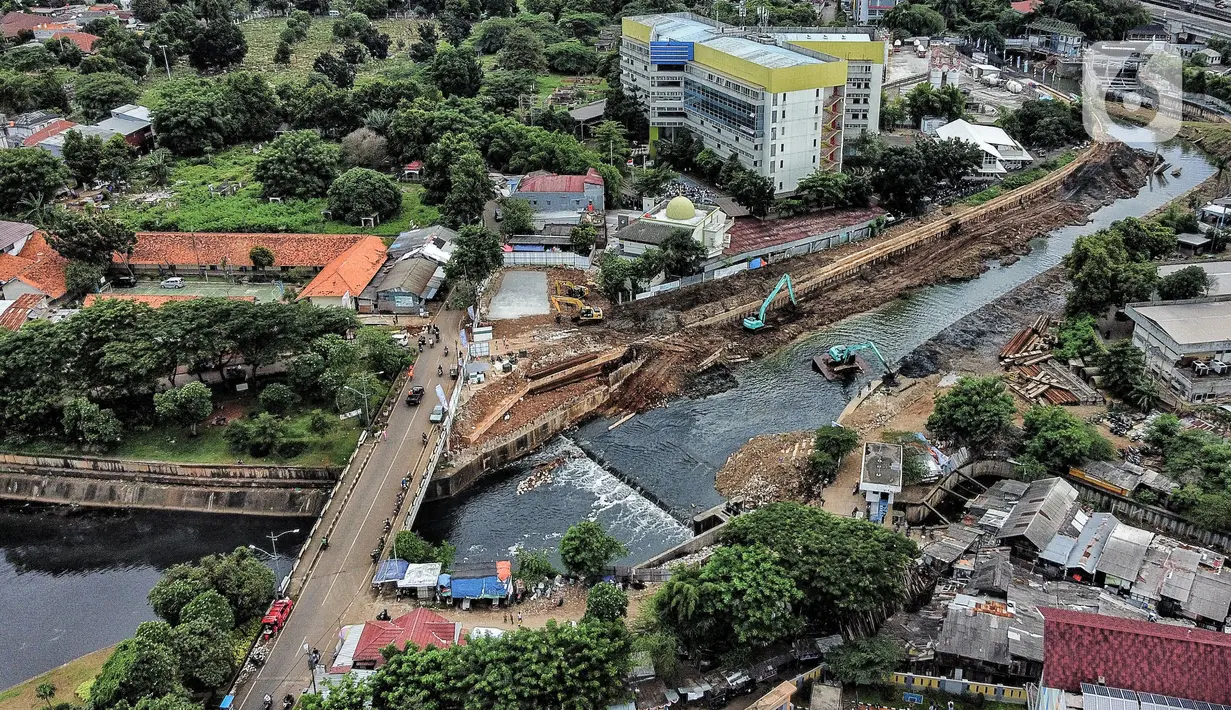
<point>344,572</point>
<point>1215,20</point>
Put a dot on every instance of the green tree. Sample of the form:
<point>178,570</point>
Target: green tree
<point>278,399</point>
<point>822,188</point>
<point>211,609</point>
<point>614,273</point>
<point>610,140</point>
<point>925,101</point>
<point>116,160</point>
<point>682,255</point>
<point>523,51</point>
<point>477,254</point>
<point>282,54</point>
<point>455,71</point>
<point>220,45</point>
<point>148,11</point>
<point>914,20</point>
<point>753,191</point>
<point>469,191</point>
<point>518,217</point>
<point>337,70</point>
<point>93,238</point>
<point>582,237</point>
<point>586,548</point>
<point>124,49</point>
<point>503,89</point>
<point>259,436</point>
<point>654,181</point>
<point>173,592</point>
<point>606,602</point>
<point>187,118</point>
<point>976,412</point>
<point>251,106</point>
<point>82,155</point>
<point>1189,282</point>
<point>374,9</point>
<point>1058,440</point>
<point>204,653</point>
<point>360,192</point>
<point>262,257</point>
<point>28,177</point>
<point>425,47</point>
<point>96,94</point>
<point>409,546</point>
<point>534,567</point>
<point>136,669</point>
<point>45,692</point>
<point>81,278</point>
<point>866,661</point>
<point>364,148</point>
<point>298,165</point>
<point>571,57</point>
<point>185,406</point>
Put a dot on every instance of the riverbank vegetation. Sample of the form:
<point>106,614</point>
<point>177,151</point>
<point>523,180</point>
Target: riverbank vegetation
<point>63,681</point>
<point>100,378</point>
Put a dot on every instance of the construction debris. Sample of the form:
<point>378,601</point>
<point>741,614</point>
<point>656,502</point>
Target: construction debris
<point>768,468</point>
<point>1031,345</point>
<point>1035,377</point>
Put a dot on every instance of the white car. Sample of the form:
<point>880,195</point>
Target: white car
<point>401,338</point>
<point>173,282</point>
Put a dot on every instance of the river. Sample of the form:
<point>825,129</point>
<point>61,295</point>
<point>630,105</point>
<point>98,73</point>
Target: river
<point>659,466</point>
<point>73,581</point>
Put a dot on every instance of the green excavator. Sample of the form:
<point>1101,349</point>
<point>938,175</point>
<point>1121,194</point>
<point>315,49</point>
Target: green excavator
<point>756,323</point>
<point>842,360</point>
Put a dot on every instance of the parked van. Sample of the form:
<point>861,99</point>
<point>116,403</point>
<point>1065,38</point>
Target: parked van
<point>173,282</point>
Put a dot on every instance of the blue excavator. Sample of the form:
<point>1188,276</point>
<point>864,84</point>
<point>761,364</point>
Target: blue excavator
<point>756,323</point>
<point>842,360</point>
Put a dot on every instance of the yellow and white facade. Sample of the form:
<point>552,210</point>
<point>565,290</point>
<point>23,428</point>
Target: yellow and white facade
<point>782,106</point>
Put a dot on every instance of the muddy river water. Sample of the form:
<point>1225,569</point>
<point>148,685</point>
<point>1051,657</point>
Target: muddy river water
<point>73,584</point>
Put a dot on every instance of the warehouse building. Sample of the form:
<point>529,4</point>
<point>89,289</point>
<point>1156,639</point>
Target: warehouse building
<point>1186,345</point>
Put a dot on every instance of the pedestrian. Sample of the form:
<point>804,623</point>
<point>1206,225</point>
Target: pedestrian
<point>504,618</point>
<point>519,618</point>
<point>384,434</point>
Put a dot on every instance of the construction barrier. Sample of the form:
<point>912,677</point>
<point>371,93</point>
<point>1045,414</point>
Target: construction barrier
<point>923,683</point>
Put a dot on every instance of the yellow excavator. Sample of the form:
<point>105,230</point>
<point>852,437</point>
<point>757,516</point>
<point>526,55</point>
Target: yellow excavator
<point>585,312</point>
<point>572,290</point>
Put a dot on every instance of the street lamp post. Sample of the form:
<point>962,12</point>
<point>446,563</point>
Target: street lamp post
<point>273,540</point>
<point>165,62</point>
<point>312,659</point>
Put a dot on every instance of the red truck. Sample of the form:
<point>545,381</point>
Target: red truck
<point>275,618</point>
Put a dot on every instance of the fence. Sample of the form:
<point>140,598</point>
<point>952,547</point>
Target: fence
<point>923,683</point>
<point>546,258</point>
<point>693,280</point>
<point>122,467</point>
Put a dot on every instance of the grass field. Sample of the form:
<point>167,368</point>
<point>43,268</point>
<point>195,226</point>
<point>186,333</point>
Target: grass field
<point>191,207</point>
<point>164,443</point>
<point>66,678</point>
<point>262,36</point>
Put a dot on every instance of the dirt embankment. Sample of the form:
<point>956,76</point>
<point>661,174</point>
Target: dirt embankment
<point>964,255</point>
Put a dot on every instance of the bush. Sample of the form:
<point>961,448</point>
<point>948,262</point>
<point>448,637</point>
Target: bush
<point>321,422</point>
<point>278,398</point>
<point>361,192</point>
<point>290,448</point>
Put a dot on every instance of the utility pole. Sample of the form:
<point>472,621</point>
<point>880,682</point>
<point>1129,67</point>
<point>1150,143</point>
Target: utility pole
<point>165,62</point>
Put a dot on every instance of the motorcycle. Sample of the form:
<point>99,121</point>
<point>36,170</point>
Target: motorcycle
<point>288,702</point>
<point>324,544</point>
<point>425,438</point>
<point>269,701</point>
<point>440,369</point>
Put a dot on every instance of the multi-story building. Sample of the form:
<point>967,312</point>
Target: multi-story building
<point>866,11</point>
<point>1187,347</point>
<point>763,95</point>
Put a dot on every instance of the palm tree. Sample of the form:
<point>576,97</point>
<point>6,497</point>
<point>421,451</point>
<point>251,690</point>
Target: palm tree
<point>1143,395</point>
<point>45,692</point>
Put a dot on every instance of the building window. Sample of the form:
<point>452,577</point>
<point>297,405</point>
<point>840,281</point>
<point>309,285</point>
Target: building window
<point>779,187</point>
<point>818,93</point>
<point>817,111</point>
<point>771,167</point>
<point>814,160</point>
<point>773,117</point>
<point>781,163</point>
<point>775,99</point>
<point>813,142</point>
<point>782,148</point>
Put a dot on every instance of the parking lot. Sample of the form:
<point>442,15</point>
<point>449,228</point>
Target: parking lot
<point>262,292</point>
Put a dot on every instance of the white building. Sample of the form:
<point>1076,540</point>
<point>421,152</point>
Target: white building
<point>778,101</point>
<point>1185,344</point>
<point>872,10</point>
<point>1000,152</point>
<point>708,225</point>
<point>880,478</point>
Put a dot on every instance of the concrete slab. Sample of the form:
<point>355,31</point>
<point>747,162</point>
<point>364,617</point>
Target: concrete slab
<point>522,293</point>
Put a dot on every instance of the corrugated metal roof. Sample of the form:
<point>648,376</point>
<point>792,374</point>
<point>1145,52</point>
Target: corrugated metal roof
<point>1043,510</point>
<point>1125,552</point>
<point>1210,596</point>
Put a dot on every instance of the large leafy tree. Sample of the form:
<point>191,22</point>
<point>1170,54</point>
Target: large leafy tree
<point>96,94</point>
<point>586,548</point>
<point>28,177</point>
<point>606,602</point>
<point>1057,439</point>
<point>755,192</point>
<point>360,192</point>
<point>522,51</point>
<point>297,164</point>
<point>87,423</point>
<point>252,108</point>
<point>682,254</point>
<point>456,72</point>
<point>975,412</point>
<point>1189,282</point>
<point>92,238</point>
<point>866,661</point>
<point>476,254</point>
<point>220,45</point>
<point>185,406</point>
<point>469,191</point>
<point>137,669</point>
<point>82,154</point>
<point>1103,273</point>
<point>188,118</point>
<point>338,71</point>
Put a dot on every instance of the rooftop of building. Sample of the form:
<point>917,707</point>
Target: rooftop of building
<point>13,232</point>
<point>153,300</point>
<point>349,273</point>
<point>36,265</point>
<point>209,248</point>
<point>990,139</point>
<point>749,235</point>
<point>1193,322</point>
<point>551,182</point>
<point>728,39</point>
<point>882,464</point>
<point>14,314</point>
<point>1045,509</point>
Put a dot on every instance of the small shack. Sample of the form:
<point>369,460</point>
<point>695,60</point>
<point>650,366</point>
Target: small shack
<point>475,581</point>
<point>419,581</point>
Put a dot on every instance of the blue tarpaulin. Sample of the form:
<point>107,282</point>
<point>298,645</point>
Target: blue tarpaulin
<point>390,571</point>
<point>479,588</point>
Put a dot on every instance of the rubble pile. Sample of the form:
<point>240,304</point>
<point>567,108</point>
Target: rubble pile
<point>767,469</point>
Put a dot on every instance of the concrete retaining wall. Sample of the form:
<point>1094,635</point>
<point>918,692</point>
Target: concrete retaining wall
<point>705,539</point>
<point>79,480</point>
<point>198,496</point>
<point>513,446</point>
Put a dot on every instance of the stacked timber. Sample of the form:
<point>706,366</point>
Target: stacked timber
<point>1031,345</point>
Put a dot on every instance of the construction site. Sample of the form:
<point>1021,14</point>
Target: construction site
<point>556,340</point>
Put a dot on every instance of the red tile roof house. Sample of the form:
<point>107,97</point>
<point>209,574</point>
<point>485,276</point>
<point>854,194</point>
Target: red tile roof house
<point>15,314</point>
<point>37,268</point>
<point>346,262</point>
<point>360,645</point>
<point>1080,647</point>
<point>84,40</point>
